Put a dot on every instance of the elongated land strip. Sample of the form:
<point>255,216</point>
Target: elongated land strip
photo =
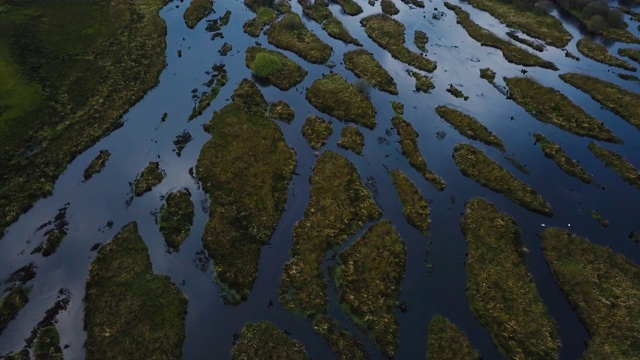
<point>617,163</point>
<point>469,126</point>
<point>414,206</point>
<point>344,345</point>
<point>564,162</point>
<point>364,65</point>
<point>447,342</point>
<point>176,218</point>
<point>263,340</point>
<point>600,54</point>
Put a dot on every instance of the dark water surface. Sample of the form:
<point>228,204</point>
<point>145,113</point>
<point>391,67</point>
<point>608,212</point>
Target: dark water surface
<point>435,279</point>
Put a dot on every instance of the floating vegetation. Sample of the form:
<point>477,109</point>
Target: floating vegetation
<point>414,206</point>
<point>11,303</point>
<point>551,106</point>
<point>316,131</point>
<point>280,110</point>
<point>513,35</point>
<point>20,355</point>
<point>23,274</point>
<point>215,25</point>
<point>97,164</point>
<point>339,205</point>
<point>197,10</point>
<point>501,292</point>
<point>600,54</point>
<point>453,90</point>
<point>473,163</point>
<point>633,54</point>
<point>517,164</point>
<point>628,77</point>
<point>282,73</point>
<point>353,105</point>
<point>635,236</point>
<point>350,7</point>
<point>225,49</point>
<point>176,218</point>
<point>469,126</point>
<point>423,83</point>
<point>388,33</point>
<point>351,139</point>
<point>416,3</point>
<point>596,215</point>
<point>246,201</point>
<point>290,33</point>
<point>151,176</point>
<point>54,235</point>
<point>421,39</point>
<point>447,342</point>
<point>564,162</point>
<point>181,141</point>
<point>47,345</point>
<point>129,309</point>
<point>603,287</point>
<point>389,8</point>
<point>262,340</point>
<point>409,144</point>
<point>202,101</point>
<point>617,163</point>
<point>570,55</point>
<point>511,52</point>
<point>343,344</point>
<point>362,63</point>
<point>369,276</point>
<point>622,102</point>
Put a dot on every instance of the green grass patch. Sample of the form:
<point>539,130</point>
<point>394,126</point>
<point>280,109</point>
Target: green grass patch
<point>290,33</point>
<point>488,74</point>
<point>285,76</point>
<point>151,176</point>
<point>350,7</point>
<point>316,10</point>
<point>353,106</point>
<point>389,34</point>
<point>421,39</point>
<point>469,127</point>
<point>20,355</point>
<point>565,163</point>
<point>97,164</point>
<point>351,139</point>
<point>339,205</point>
<point>197,10</point>
<point>603,287</point>
<point>176,218</point>
<point>316,131</point>
<point>423,83</point>
<point>617,163</point>
<point>453,90</point>
<point>501,292</point>
<point>473,163</point>
<point>11,303</point>
<point>414,206</point>
<point>389,8</point>
<point>600,54</point>
<point>409,144</point>
<point>447,342</point>
<point>264,16</point>
<point>398,107</point>
<point>633,54</point>
<point>336,30</point>
<point>551,106</point>
<point>343,344</point>
<point>215,83</point>
<point>129,309</point>
<point>362,63</point>
<point>513,35</point>
<point>47,345</point>
<point>263,340</point>
<point>280,110</point>
<point>369,277</point>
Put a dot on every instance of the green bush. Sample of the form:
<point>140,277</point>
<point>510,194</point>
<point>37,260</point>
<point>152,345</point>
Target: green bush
<point>265,64</point>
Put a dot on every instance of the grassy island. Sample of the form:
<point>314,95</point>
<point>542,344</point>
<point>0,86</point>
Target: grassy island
<point>501,292</point>
<point>197,10</point>
<point>11,303</point>
<point>262,341</point>
<point>97,164</point>
<point>421,39</point>
<point>423,83</point>
<point>151,176</point>
<point>176,218</point>
<point>389,8</point>
<point>616,162</point>
<point>318,11</point>
<point>129,309</point>
<point>290,33</point>
<point>364,65</point>
<point>264,16</point>
<point>343,344</point>
<point>280,110</point>
<point>274,66</point>
<point>47,346</point>
<point>469,126</point>
<point>488,74</point>
<point>351,139</point>
<point>599,53</point>
<point>336,30</point>
<point>414,206</point>
<point>565,163</point>
<point>633,54</point>
<point>316,131</point>
<point>350,7</point>
<point>447,342</point>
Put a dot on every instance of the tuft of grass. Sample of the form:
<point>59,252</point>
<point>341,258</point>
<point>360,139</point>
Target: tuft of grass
<point>343,344</point>
<point>488,74</point>
<point>316,131</point>
<point>129,309</point>
<point>151,176</point>
<point>47,345</point>
<point>617,163</point>
<point>423,83</point>
<point>414,206</point>
<point>287,76</point>
<point>473,163</point>
<point>421,39</point>
<point>501,292</point>
<point>351,139</point>
<point>339,205</point>
<point>353,106</point>
<point>362,63</point>
<point>11,303</point>
<point>369,277</point>
<point>97,164</point>
<point>633,54</point>
<point>389,8</point>
<point>551,106</point>
<point>389,34</point>
<point>290,33</point>
<point>469,126</point>
<point>176,218</point>
<point>447,342</point>
<point>263,340</point>
<point>511,52</point>
<point>603,287</point>
<point>564,162</point>
<point>282,111</point>
<point>264,16</point>
<point>409,144</point>
<point>600,54</point>
<point>197,10</point>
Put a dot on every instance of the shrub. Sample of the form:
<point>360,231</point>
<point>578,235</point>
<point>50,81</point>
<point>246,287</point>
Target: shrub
<point>265,64</point>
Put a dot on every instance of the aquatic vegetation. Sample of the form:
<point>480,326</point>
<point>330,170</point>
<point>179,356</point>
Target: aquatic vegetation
<point>633,54</point>
<point>97,164</point>
<point>398,107</point>
<point>246,201</point>
<point>197,10</point>
<point>369,276</point>
<point>511,52</point>
<point>622,102</point>
<point>215,83</point>
<point>265,64</point>
<point>416,3</point>
<point>336,30</point>
<point>343,344</point>
<point>600,54</point>
<point>262,340</point>
<point>11,303</point>
<point>280,110</point>
<point>617,163</point>
<point>447,342</point>
<point>181,140</point>
<point>551,106</point>
<point>316,131</point>
<point>389,8</point>
<point>423,83</point>
<point>414,206</point>
<point>47,345</point>
<point>535,24</point>
<point>501,292</point>
<point>570,55</point>
<point>453,90</point>
<point>353,106</point>
<point>264,16</point>
<point>409,144</point>
<point>473,163</point>
<point>285,76</point>
<point>290,33</point>
<point>176,218</point>
<point>513,35</point>
<point>21,355</point>
<point>362,63</point>
<point>339,205</point>
<point>603,287</point>
<point>469,126</point>
<point>151,176</point>
<point>628,77</point>
<point>316,10</point>
<point>215,25</point>
<point>54,235</point>
<point>421,39</point>
<point>389,34</point>
<point>350,7</point>
<point>564,162</point>
<point>351,139</point>
<point>129,309</point>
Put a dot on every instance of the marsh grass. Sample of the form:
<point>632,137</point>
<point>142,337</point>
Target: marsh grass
<point>362,63</point>
<point>176,218</point>
<point>633,54</point>
<point>617,163</point>
<point>264,16</point>
<point>469,126</point>
<point>414,206</point>
<point>336,30</point>
<point>97,164</point>
<point>197,10</point>
<point>280,110</point>
<point>513,35</point>
<point>316,131</point>
<point>350,7</point>
<point>129,309</point>
<point>20,355</point>
<point>421,39</point>
<point>565,163</point>
<point>453,90</point>
<point>473,163</point>
<point>151,176</point>
<point>501,292</point>
<point>262,340</point>
<point>47,345</point>
<point>290,33</point>
<point>288,75</point>
<point>215,83</point>
<point>11,303</point>
<point>488,74</point>
<point>551,106</point>
<point>423,83</point>
<point>389,8</point>
<point>603,287</point>
<point>447,342</point>
<point>351,139</point>
<point>343,344</point>
<point>600,54</point>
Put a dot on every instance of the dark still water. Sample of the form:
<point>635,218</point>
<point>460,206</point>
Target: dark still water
<point>435,280</point>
